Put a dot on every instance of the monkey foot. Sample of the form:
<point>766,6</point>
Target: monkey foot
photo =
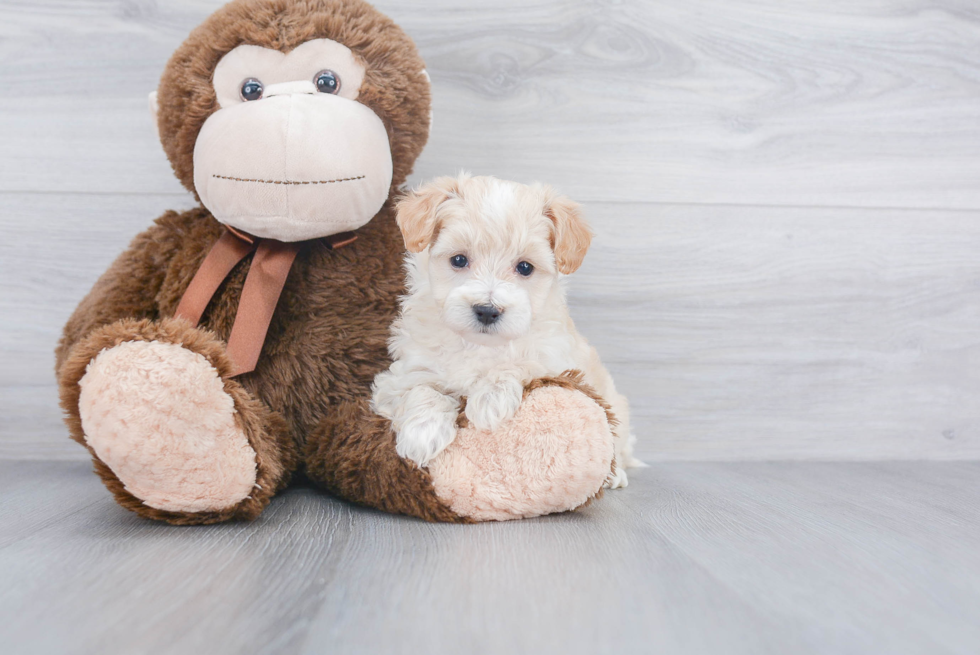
<point>157,414</point>
<point>553,456</point>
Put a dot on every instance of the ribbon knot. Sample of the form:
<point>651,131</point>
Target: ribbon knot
<point>263,285</point>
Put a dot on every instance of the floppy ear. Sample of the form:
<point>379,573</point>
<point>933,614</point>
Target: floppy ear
<point>416,212</point>
<point>571,236</point>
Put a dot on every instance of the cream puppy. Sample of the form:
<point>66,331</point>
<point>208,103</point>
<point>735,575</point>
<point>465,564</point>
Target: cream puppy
<point>485,312</point>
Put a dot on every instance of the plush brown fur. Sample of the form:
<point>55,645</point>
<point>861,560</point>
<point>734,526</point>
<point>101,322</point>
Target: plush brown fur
<point>352,454</point>
<point>307,402</point>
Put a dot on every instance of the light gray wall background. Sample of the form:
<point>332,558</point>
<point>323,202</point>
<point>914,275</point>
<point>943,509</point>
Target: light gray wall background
<point>786,196</point>
<point>787,200</point>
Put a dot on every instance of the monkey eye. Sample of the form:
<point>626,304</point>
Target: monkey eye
<point>525,268</point>
<point>327,82</point>
<point>252,89</point>
<point>459,261</point>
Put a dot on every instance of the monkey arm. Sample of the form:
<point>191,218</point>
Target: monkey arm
<point>128,289</point>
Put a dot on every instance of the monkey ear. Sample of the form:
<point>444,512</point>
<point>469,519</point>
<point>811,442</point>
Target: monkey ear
<point>154,112</point>
<point>571,236</point>
<point>425,73</point>
<point>417,212</point>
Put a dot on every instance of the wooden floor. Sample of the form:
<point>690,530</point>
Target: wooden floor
<point>714,558</point>
<point>786,197</point>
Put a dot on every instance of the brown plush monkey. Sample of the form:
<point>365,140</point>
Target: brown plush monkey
<point>235,344</point>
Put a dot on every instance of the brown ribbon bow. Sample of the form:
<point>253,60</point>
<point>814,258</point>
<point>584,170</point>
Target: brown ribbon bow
<point>260,295</point>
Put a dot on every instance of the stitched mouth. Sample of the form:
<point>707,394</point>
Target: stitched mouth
<point>289,182</point>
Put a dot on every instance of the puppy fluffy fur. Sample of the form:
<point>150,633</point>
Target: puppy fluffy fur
<point>442,351</point>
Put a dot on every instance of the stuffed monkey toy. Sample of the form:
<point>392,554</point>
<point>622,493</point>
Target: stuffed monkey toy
<point>235,344</point>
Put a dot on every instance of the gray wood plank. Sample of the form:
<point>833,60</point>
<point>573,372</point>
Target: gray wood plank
<point>767,333</point>
<point>837,103</point>
<point>58,246</point>
<point>737,332</point>
<point>691,558</point>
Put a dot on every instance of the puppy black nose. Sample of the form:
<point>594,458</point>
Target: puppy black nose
<point>487,314</point>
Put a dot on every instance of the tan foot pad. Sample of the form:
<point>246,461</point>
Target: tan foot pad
<point>157,414</point>
<point>553,456</point>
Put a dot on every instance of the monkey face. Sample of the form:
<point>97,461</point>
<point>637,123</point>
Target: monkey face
<point>291,154</point>
<point>294,120</point>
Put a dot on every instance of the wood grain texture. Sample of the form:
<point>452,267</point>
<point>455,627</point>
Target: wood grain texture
<point>844,103</point>
<point>737,332</point>
<point>765,333</point>
<point>691,558</point>
<point>786,267</point>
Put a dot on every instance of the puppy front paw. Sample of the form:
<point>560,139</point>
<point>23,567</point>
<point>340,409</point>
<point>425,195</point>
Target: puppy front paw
<point>425,435</point>
<point>493,404</point>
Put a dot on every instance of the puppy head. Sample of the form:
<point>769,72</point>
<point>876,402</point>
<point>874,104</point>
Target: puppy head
<point>492,251</point>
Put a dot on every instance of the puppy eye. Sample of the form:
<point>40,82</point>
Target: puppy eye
<point>459,261</point>
<point>252,89</point>
<point>525,268</point>
<point>327,82</point>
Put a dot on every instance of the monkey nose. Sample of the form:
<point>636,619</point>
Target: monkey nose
<point>289,88</point>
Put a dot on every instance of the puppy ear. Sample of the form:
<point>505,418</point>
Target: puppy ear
<point>571,236</point>
<point>416,213</point>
